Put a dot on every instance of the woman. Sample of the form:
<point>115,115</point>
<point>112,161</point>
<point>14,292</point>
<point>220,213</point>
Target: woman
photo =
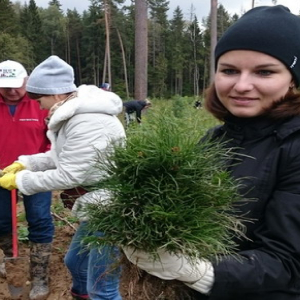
<point>82,123</point>
<point>254,94</point>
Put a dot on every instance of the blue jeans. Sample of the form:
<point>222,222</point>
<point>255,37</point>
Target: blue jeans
<point>38,216</point>
<point>93,271</point>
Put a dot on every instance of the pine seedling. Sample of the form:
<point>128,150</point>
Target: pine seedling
<point>167,191</point>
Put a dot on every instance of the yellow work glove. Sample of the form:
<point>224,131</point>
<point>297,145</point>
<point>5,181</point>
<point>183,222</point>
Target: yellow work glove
<point>8,181</point>
<point>14,168</point>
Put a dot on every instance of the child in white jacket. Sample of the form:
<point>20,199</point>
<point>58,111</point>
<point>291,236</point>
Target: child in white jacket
<point>82,122</point>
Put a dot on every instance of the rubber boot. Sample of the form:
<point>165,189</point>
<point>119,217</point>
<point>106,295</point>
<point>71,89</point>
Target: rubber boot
<point>39,262</point>
<point>2,265</point>
<point>6,247</point>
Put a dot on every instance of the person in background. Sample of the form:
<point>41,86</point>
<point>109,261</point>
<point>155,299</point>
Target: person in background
<point>255,96</point>
<point>23,131</point>
<point>133,110</point>
<point>105,86</point>
<point>197,104</point>
<point>80,127</point>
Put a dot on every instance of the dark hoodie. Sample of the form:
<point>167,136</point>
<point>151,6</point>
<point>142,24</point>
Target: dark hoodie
<point>135,106</point>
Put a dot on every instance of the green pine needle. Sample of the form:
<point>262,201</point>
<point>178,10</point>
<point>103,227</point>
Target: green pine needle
<point>168,191</point>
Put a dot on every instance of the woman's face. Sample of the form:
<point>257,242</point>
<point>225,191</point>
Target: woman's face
<point>248,82</point>
<point>46,102</point>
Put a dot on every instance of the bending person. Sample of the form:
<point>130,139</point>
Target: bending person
<point>133,110</point>
<point>80,127</point>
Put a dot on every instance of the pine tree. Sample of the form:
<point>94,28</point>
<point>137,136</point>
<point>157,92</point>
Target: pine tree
<point>74,42</point>
<point>93,44</point>
<point>158,33</point>
<point>141,50</point>
<point>31,29</point>
<point>8,18</point>
<point>54,31</point>
<point>177,53</point>
<point>15,48</point>
<point>223,22</point>
<point>193,76</point>
<point>55,3</point>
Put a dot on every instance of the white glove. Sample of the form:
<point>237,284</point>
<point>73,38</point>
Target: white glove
<point>198,275</point>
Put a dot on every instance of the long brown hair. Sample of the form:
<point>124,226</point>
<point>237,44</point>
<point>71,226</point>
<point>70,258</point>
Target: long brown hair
<point>213,104</point>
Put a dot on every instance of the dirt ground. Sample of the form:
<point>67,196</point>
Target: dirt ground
<point>133,286</point>
<point>18,269</point>
<point>60,279</point>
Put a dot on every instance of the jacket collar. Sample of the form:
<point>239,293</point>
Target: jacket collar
<point>254,128</point>
<point>282,120</point>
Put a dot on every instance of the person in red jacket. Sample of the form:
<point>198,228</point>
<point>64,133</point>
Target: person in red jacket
<point>23,132</point>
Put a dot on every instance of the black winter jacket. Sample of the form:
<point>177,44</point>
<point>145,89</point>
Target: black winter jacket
<point>270,171</point>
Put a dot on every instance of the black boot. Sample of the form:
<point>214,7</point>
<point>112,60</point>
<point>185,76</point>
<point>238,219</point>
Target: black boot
<point>39,262</point>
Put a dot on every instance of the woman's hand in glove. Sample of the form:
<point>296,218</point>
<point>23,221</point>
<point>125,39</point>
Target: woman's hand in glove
<point>197,274</point>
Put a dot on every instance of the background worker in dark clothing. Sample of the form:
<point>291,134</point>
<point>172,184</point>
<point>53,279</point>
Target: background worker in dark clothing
<point>133,110</point>
<point>198,104</point>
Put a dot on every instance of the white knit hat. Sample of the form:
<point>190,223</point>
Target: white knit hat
<point>12,74</point>
<point>53,76</point>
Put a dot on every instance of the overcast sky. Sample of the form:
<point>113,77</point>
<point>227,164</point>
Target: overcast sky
<point>201,7</point>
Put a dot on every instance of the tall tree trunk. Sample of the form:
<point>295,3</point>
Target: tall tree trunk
<point>213,36</point>
<point>52,46</point>
<point>124,63</point>
<point>94,68</point>
<point>68,48</point>
<point>107,31</point>
<point>104,66</point>
<point>141,50</point>
<point>78,61</point>
<point>204,77</point>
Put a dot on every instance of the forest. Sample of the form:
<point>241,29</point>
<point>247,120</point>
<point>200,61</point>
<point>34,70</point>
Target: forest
<point>178,49</point>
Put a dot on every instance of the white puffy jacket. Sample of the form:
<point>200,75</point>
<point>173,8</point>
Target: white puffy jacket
<point>78,130</point>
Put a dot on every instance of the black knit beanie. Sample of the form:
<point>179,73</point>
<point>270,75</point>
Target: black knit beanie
<point>272,30</point>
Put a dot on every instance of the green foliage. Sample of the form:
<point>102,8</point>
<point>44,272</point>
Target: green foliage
<point>54,29</point>
<point>178,48</point>
<point>178,107</point>
<point>57,207</point>
<point>22,217</point>
<point>167,190</point>
<point>23,233</point>
<point>8,18</point>
<point>15,48</point>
